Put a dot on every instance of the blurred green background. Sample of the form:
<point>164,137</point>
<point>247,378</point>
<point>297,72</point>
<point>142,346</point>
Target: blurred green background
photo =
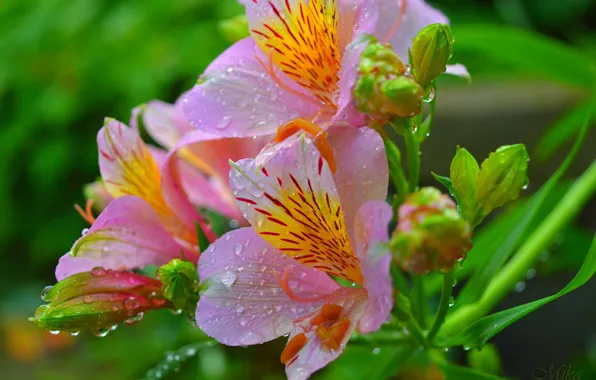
<point>65,64</point>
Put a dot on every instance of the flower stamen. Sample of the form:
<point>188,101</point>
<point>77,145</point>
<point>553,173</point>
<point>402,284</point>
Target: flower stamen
<point>271,71</point>
<point>284,283</point>
<point>87,214</point>
<point>397,23</point>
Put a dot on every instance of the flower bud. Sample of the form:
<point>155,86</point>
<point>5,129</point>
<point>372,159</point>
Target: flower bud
<point>501,178</point>
<point>234,29</point>
<point>382,88</point>
<point>180,284</point>
<point>431,50</point>
<point>431,234</point>
<point>96,191</point>
<point>97,301</point>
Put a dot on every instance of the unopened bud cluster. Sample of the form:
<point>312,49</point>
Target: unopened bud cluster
<point>431,234</point>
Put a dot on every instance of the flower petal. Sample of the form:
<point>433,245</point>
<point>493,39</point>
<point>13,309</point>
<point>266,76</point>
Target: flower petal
<point>302,38</point>
<point>292,202</point>
<point>315,355</point>
<point>361,176</point>
<point>238,98</point>
<point>244,303</point>
<point>417,15</point>
<point>372,235</point>
<point>126,235</point>
<point>459,70</point>
<point>363,21</point>
<point>165,123</point>
<point>128,168</point>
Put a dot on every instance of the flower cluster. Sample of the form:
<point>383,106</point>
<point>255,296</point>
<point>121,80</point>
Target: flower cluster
<point>275,136</point>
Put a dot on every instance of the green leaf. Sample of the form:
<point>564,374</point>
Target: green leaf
<point>463,172</point>
<point>501,178</point>
<point>526,51</point>
<point>203,241</point>
<point>455,372</point>
<point>499,248</point>
<point>445,181</point>
<point>485,328</point>
<point>563,130</point>
<point>174,359</point>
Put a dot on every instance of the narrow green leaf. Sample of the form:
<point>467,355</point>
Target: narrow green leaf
<point>526,51</point>
<point>498,249</point>
<point>203,241</point>
<point>563,130</point>
<point>174,360</point>
<point>455,372</point>
<point>463,172</point>
<point>485,328</point>
<point>445,181</point>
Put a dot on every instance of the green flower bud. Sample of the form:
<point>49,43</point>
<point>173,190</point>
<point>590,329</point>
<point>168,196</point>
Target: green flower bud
<point>382,88</point>
<point>501,178</point>
<point>431,50</point>
<point>97,301</point>
<point>431,234</point>
<point>463,172</point>
<point>180,284</point>
<point>235,28</point>
<point>96,191</point>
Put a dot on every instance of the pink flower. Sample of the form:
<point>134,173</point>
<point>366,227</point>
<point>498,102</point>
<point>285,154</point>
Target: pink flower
<point>205,157</point>
<point>273,279</point>
<point>300,62</point>
<point>153,218</point>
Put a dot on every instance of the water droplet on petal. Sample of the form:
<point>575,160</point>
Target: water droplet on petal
<point>98,272</point>
<point>131,303</point>
<point>238,248</point>
<point>223,123</point>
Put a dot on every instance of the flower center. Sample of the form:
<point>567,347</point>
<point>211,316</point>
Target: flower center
<point>304,40</point>
<point>318,135</point>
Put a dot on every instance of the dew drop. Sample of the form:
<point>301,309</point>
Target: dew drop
<point>45,291</point>
<point>85,231</point>
<point>223,123</point>
<point>74,333</point>
<point>520,286</point>
<point>54,332</point>
<point>376,351</point>
<point>238,248</point>
<point>98,272</point>
<point>239,309</point>
<point>131,303</point>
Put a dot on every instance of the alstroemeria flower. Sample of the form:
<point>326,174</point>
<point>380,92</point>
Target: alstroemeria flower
<point>272,279</point>
<point>300,62</point>
<point>204,157</point>
<point>150,221</point>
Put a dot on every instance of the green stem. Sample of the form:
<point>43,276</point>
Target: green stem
<point>527,255</point>
<point>413,153</point>
<point>416,332</point>
<point>418,300</point>
<point>399,281</point>
<point>448,281</point>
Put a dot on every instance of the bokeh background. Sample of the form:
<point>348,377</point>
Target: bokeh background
<point>65,64</point>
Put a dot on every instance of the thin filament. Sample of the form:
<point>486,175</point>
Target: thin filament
<point>285,286</point>
<point>88,213</point>
<point>397,23</point>
<point>271,71</point>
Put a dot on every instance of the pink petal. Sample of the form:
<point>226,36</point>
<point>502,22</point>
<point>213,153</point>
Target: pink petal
<point>165,123</point>
<point>362,174</point>
<point>126,235</point>
<point>128,168</point>
<point>418,14</point>
<point>292,202</point>
<point>314,356</point>
<point>459,70</point>
<point>244,303</point>
<point>372,235</point>
<point>178,201</point>
<point>366,18</point>
<point>239,99</point>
